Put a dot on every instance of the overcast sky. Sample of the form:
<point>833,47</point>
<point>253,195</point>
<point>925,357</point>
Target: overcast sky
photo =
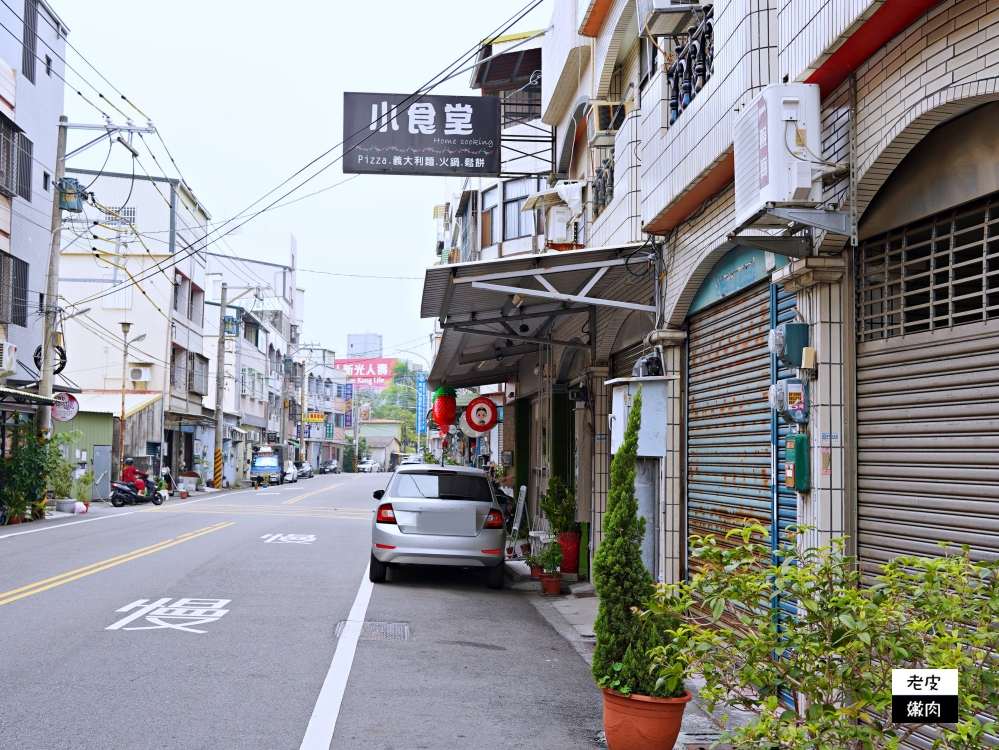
<point>247,93</point>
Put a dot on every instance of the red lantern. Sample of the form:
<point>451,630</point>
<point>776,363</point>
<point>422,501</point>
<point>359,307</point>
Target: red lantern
<point>445,406</point>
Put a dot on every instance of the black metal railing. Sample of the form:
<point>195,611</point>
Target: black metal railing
<point>13,290</point>
<point>603,186</point>
<point>694,63</point>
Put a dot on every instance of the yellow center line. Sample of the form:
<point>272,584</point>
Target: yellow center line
<point>358,516</point>
<point>35,588</point>
<point>308,494</point>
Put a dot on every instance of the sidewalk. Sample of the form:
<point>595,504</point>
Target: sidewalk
<point>573,615</point>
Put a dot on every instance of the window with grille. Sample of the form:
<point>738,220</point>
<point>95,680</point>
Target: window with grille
<point>243,384</point>
<point>30,41</point>
<point>178,369</point>
<point>8,158</point>
<point>197,374</point>
<point>127,214</point>
<point>520,106</point>
<point>117,294</point>
<point>940,272</point>
<point>488,220</point>
<point>25,149</point>
<point>13,290</point>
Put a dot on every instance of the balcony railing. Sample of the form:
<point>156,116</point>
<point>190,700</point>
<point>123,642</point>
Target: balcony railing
<point>694,64</point>
<point>603,186</point>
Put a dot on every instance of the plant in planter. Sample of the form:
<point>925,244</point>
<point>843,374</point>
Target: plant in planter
<point>559,507</point>
<point>641,712</point>
<point>835,655</point>
<point>83,488</point>
<point>23,472</point>
<point>534,563</point>
<point>551,558</point>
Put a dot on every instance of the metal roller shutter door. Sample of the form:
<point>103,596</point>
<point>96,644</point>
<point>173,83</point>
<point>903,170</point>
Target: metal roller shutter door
<point>728,418</point>
<point>928,386</point>
<point>928,444</point>
<point>623,362</point>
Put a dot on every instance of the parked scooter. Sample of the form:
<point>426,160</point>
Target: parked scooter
<point>127,493</point>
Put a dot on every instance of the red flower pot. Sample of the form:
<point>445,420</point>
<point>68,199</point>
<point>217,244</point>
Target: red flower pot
<point>569,541</point>
<point>535,572</point>
<point>642,723</point>
<point>551,585</point>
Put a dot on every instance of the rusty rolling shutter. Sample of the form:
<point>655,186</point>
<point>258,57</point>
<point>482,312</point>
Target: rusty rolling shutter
<point>728,417</point>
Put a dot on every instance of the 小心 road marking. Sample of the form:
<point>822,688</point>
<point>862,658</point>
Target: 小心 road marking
<point>36,588</point>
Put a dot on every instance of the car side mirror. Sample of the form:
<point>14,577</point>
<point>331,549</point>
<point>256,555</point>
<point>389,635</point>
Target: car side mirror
<point>377,494</point>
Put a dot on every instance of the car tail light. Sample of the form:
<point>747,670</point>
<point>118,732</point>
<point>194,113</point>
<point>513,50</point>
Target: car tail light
<point>494,520</point>
<point>385,514</point>
<point>492,552</point>
<point>385,546</point>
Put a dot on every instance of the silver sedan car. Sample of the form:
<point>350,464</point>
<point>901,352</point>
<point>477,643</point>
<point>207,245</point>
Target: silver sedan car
<point>437,515</point>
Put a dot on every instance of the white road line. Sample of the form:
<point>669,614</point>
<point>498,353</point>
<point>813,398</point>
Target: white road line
<point>104,518</point>
<point>319,733</point>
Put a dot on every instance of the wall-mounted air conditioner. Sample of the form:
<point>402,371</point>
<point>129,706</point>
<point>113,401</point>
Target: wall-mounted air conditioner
<point>8,359</point>
<point>603,120</point>
<point>559,226</point>
<point>140,373</point>
<point>778,150</point>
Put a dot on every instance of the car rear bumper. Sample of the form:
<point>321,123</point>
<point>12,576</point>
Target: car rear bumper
<point>485,550</point>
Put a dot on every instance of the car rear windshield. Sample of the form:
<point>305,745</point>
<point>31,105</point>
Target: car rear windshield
<point>441,485</point>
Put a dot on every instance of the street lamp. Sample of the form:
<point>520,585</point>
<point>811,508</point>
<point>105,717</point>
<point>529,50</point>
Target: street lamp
<point>125,328</point>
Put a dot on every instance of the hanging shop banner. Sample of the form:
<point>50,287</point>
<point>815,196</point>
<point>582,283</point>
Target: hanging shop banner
<point>481,414</point>
<point>66,407</point>
<point>429,135</point>
<point>348,397</point>
<point>314,416</point>
<point>372,374</point>
<point>421,402</point>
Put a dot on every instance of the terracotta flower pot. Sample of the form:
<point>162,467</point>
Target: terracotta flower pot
<point>569,541</point>
<point>535,572</point>
<point>551,585</point>
<point>642,723</point>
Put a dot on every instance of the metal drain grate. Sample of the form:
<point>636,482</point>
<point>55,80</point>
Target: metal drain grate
<point>379,631</point>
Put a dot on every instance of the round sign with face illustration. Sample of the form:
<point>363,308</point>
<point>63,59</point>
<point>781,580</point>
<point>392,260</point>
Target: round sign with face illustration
<point>481,414</point>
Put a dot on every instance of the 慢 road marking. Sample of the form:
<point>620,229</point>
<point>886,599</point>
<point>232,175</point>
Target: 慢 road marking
<point>319,733</point>
<point>308,494</point>
<point>35,588</point>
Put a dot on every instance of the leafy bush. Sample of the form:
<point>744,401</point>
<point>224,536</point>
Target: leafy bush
<point>23,472</point>
<point>624,638</point>
<point>837,653</point>
<point>559,506</point>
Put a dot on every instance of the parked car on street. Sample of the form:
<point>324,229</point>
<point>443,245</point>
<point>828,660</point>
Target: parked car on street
<point>411,459</point>
<point>290,471</point>
<point>430,515</point>
<point>368,466</point>
<point>332,466</point>
<point>304,469</point>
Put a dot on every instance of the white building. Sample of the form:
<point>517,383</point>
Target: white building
<point>364,345</point>
<point>323,394</point>
<point>156,281</point>
<point>31,101</point>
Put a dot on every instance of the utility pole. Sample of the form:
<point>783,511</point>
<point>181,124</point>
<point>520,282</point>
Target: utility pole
<point>44,413</point>
<point>125,328</point>
<point>220,390</point>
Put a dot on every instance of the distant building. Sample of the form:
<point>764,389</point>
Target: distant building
<point>364,345</point>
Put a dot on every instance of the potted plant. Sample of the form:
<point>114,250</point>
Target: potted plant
<point>534,563</point>
<point>641,712</point>
<point>83,488</point>
<point>559,507</point>
<point>551,558</point>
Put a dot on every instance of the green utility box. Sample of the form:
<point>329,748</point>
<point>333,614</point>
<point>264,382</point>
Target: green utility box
<point>797,464</point>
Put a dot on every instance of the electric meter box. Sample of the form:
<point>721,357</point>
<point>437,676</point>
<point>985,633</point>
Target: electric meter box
<point>789,398</point>
<point>655,402</point>
<point>797,463</point>
<point>788,341</point>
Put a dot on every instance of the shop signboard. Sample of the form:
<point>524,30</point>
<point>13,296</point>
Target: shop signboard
<point>421,402</point>
<point>421,135</point>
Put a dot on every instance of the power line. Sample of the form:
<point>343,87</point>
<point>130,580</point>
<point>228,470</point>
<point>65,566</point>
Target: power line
<point>433,82</point>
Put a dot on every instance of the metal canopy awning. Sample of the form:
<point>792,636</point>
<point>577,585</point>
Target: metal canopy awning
<point>495,312</point>
<point>549,197</point>
<point>13,399</point>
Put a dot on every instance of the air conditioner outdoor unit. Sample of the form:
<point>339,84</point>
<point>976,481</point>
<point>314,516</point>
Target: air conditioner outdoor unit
<point>665,17</point>
<point>558,225</point>
<point>139,372</point>
<point>8,359</point>
<point>603,120</point>
<point>777,150</point>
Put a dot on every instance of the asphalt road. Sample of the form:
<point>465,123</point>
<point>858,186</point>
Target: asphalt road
<point>211,623</point>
